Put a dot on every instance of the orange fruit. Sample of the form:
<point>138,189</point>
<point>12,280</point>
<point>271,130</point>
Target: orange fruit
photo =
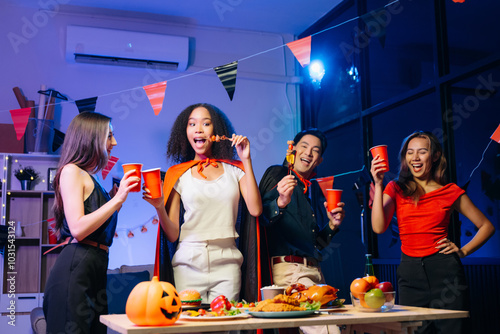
<point>372,280</point>
<point>359,286</point>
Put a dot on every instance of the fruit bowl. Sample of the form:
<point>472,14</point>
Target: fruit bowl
<point>374,302</point>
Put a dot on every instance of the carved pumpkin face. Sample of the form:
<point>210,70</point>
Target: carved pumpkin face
<point>153,303</point>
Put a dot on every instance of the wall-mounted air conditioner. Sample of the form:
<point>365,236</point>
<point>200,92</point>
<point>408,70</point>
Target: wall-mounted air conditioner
<point>126,48</point>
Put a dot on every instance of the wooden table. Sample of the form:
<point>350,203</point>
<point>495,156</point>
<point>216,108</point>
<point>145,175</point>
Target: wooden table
<point>401,319</point>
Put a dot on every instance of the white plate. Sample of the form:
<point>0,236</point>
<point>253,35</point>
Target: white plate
<point>286,314</point>
<point>223,317</point>
<point>333,309</point>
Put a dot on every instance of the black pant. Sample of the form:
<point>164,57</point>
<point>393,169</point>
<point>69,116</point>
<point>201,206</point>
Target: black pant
<point>75,293</point>
<point>435,281</point>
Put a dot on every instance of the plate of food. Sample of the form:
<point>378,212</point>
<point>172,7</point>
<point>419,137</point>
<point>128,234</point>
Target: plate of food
<point>283,314</point>
<point>282,306</point>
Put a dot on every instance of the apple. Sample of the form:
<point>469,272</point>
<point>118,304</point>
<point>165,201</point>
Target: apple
<point>386,287</point>
<point>375,298</point>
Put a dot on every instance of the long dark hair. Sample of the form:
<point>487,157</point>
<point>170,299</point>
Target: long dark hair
<point>85,146</point>
<point>405,179</point>
<point>179,149</point>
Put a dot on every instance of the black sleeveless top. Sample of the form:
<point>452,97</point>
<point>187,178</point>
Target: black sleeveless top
<point>105,233</point>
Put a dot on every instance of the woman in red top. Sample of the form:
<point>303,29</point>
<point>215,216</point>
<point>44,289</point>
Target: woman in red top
<point>431,273</point>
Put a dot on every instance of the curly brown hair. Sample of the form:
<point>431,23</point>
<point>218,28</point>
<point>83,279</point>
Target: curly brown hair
<point>179,149</point>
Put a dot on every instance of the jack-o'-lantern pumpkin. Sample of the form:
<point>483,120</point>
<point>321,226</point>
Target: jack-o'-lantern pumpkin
<point>153,303</point>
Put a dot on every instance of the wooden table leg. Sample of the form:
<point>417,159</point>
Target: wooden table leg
<point>346,329</point>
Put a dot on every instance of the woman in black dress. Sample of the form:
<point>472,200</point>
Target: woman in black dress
<point>86,215</point>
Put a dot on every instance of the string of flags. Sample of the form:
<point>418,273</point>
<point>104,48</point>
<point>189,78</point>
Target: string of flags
<point>227,74</point>
<point>130,230</point>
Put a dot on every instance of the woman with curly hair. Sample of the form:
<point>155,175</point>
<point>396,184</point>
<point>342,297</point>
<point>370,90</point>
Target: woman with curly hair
<point>202,193</point>
<point>430,273</point>
<point>75,293</point>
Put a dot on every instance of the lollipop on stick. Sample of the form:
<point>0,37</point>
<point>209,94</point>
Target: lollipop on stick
<point>290,156</point>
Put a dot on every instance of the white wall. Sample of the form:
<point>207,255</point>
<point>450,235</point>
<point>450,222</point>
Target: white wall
<point>264,106</point>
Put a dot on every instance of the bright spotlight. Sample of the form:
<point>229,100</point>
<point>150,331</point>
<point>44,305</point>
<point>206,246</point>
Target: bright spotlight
<point>316,72</point>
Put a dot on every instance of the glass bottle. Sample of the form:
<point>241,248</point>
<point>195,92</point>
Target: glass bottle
<point>369,270</point>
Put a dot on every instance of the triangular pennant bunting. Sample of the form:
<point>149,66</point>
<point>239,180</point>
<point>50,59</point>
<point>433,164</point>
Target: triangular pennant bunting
<point>496,135</point>
<point>227,75</point>
<point>58,140</point>
<point>86,104</point>
<point>376,22</point>
<point>20,120</point>
<point>301,49</point>
<point>325,183</point>
<point>156,94</point>
<point>111,162</point>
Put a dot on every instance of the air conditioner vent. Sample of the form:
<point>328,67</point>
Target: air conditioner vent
<point>129,62</point>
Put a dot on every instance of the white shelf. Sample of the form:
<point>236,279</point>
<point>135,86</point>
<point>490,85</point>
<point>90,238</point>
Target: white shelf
<point>32,208</point>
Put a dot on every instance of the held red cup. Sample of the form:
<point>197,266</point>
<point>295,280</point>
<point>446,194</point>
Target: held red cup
<point>381,150</point>
<point>137,172</point>
<point>152,180</point>
<point>333,198</point>
<point>52,233</point>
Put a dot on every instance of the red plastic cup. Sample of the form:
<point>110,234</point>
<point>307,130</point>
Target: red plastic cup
<point>381,150</point>
<point>52,233</point>
<point>152,180</point>
<point>333,198</point>
<point>137,168</point>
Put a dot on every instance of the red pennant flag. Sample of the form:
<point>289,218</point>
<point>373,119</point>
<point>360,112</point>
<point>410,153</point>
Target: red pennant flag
<point>20,120</point>
<point>156,94</point>
<point>325,183</point>
<point>496,135</point>
<point>301,49</point>
<point>111,162</point>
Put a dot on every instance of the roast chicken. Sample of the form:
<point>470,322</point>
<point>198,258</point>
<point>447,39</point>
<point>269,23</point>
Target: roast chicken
<point>322,293</point>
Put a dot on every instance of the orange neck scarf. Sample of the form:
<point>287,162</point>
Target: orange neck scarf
<point>306,182</point>
<point>205,163</point>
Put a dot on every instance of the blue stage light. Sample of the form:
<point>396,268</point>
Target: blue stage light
<point>316,72</point>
